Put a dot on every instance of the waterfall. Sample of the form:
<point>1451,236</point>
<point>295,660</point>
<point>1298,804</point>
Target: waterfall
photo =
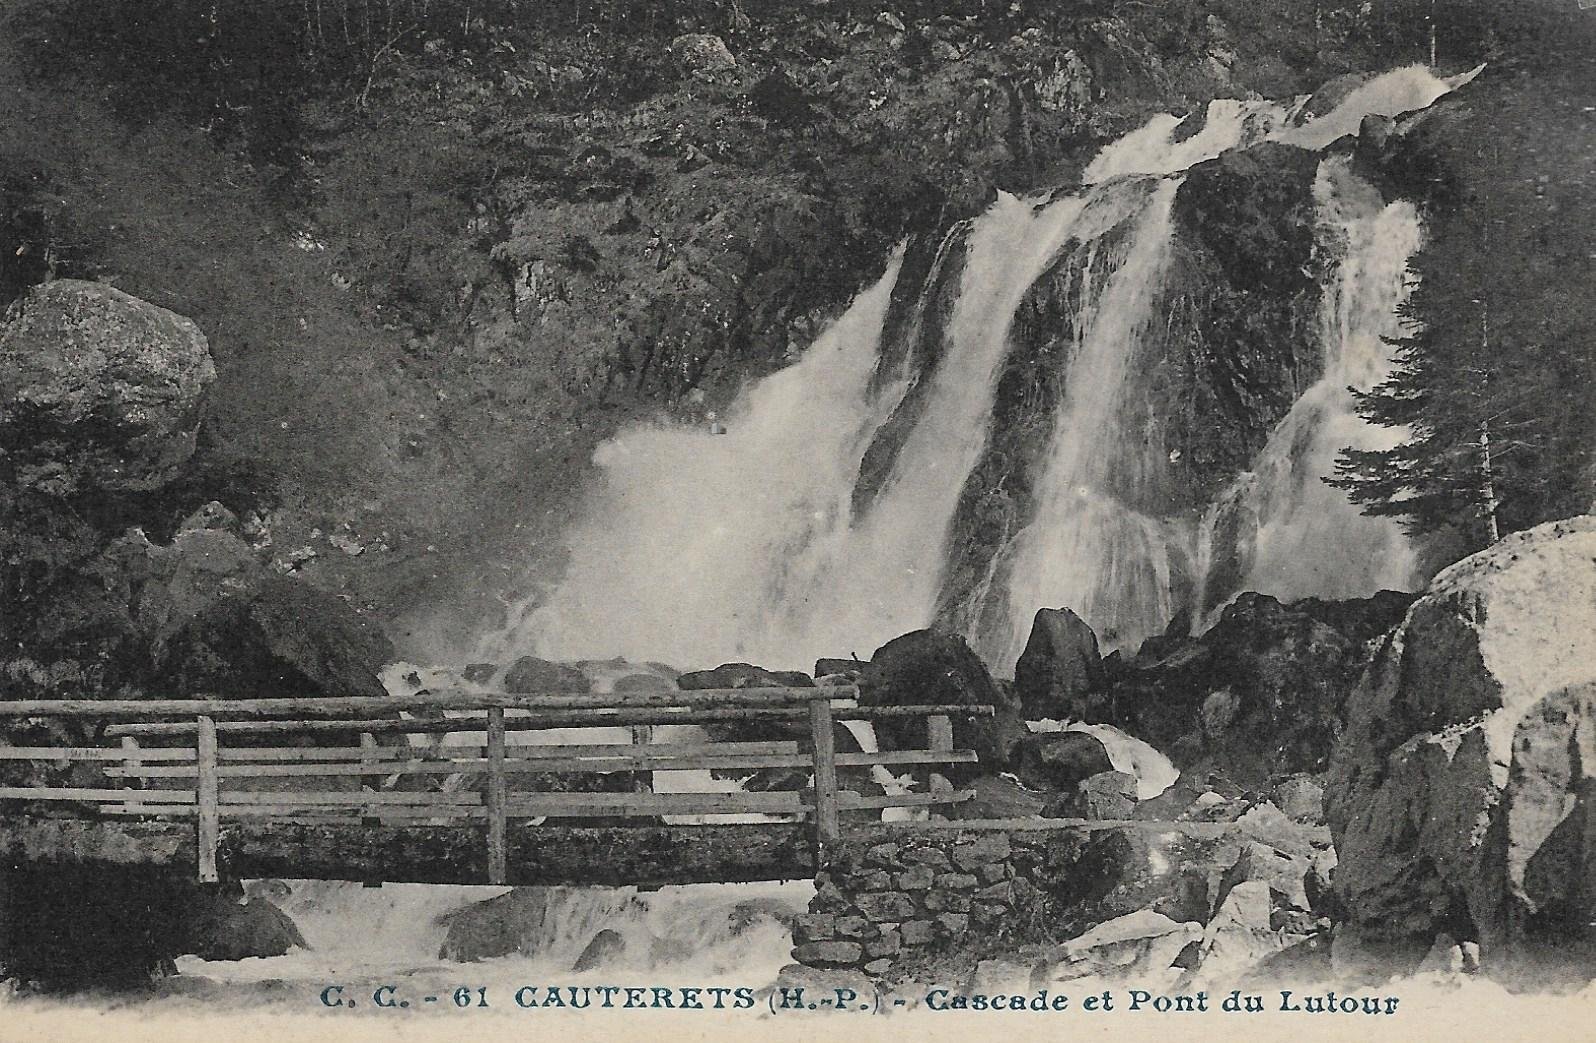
<point>1292,535</point>
<point>834,512</point>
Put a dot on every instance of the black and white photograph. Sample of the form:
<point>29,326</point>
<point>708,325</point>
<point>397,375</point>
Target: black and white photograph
<point>797,519</point>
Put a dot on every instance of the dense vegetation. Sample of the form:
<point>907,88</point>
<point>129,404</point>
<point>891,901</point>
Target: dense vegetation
<point>1494,379</point>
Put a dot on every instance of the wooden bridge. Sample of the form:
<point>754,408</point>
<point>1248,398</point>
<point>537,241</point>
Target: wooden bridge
<point>447,788</point>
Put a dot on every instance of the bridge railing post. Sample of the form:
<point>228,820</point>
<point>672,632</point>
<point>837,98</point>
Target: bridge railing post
<point>206,795</point>
<point>939,736</point>
<point>132,763</point>
<point>828,827</point>
<point>498,859</point>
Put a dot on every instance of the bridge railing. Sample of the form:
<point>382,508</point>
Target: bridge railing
<point>215,760</point>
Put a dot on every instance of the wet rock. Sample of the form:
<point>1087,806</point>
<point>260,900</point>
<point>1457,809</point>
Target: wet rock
<point>480,673</point>
<point>529,675</point>
<point>643,683</point>
<point>229,927</point>
<point>607,947</point>
<point>98,390</point>
<point>930,667</point>
<point>1060,761</point>
<point>743,675</point>
<point>1454,793</point>
<point>524,920</point>
<point>850,668</point>
<point>1059,664</point>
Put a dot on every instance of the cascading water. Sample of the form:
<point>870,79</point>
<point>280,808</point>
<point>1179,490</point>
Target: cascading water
<point>1292,535</point>
<point>827,520</point>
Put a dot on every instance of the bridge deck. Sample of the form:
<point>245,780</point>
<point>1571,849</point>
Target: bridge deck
<point>593,856</point>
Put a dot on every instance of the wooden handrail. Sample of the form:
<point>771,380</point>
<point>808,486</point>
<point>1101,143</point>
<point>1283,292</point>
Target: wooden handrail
<point>332,707</point>
<point>534,722</point>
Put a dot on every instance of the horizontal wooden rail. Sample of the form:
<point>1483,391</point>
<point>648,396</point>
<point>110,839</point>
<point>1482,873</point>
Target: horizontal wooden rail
<point>539,722</point>
<point>349,807</point>
<point>334,707</point>
<point>662,761</point>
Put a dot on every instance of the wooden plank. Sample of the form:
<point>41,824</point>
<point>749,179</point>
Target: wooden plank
<point>822,734</point>
<point>557,805</point>
<point>512,751</point>
<point>90,753</point>
<point>205,795</point>
<point>497,871</point>
<point>352,816</point>
<point>566,719</point>
<point>661,761</point>
<point>324,707</point>
<point>81,793</point>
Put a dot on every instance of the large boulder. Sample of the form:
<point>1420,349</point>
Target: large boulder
<point>531,675</point>
<point>281,637</point>
<point>1457,795</point>
<point>1060,761</point>
<point>1257,695</point>
<point>929,667</point>
<point>226,925</point>
<point>1061,662</point>
<point>98,390</point>
<point>527,920</point>
<point>743,675</point>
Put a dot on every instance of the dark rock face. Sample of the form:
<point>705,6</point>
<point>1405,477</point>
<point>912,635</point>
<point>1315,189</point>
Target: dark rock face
<point>1241,272</point>
<point>283,637</point>
<point>530,674</point>
<point>68,928</point>
<point>98,390</point>
<point>913,344</point>
<point>1242,275</point>
<point>201,614</point>
<point>606,947</point>
<point>1059,761</point>
<point>227,926</point>
<point>1060,663</point>
<point>74,927</point>
<point>1258,694</point>
<point>930,667</point>
<point>1455,792</point>
<point>743,675</point>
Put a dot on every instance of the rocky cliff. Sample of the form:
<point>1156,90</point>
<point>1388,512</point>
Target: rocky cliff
<point>1457,794</point>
